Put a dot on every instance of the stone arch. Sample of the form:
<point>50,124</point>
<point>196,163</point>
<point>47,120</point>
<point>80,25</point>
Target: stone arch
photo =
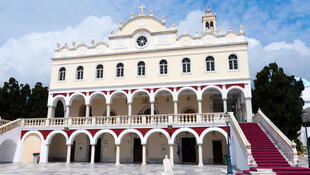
<point>162,90</point>
<point>31,142</point>
<point>123,133</point>
<point>53,133</point>
<point>32,132</point>
<point>7,150</point>
<point>117,92</point>
<point>77,132</point>
<point>186,88</point>
<point>139,91</point>
<point>210,87</point>
<point>178,131</point>
<point>150,132</point>
<point>235,87</point>
<point>76,95</point>
<point>99,133</point>
<point>92,96</point>
<point>206,131</point>
<point>61,98</point>
<point>183,111</point>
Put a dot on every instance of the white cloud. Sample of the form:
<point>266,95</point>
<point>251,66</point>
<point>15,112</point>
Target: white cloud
<point>28,58</point>
<point>191,23</point>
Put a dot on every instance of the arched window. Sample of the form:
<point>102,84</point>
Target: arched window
<point>186,63</point>
<point>62,74</point>
<point>141,68</point>
<point>209,63</point>
<point>211,25</point>
<point>233,62</point>
<point>99,71</point>
<point>207,25</point>
<point>120,70</point>
<point>79,73</point>
<point>163,67</point>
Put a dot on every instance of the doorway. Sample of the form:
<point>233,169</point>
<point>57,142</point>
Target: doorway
<point>217,152</point>
<point>137,151</point>
<point>98,151</point>
<point>189,150</point>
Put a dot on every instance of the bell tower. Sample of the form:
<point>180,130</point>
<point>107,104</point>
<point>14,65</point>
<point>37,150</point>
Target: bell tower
<point>209,21</point>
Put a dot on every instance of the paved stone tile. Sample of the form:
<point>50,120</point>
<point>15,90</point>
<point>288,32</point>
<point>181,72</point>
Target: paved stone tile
<point>105,169</point>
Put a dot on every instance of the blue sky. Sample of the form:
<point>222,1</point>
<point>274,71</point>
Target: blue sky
<point>277,30</point>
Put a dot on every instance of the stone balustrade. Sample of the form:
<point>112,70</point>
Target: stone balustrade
<point>134,120</point>
<point>10,125</point>
<point>3,122</point>
<point>287,147</point>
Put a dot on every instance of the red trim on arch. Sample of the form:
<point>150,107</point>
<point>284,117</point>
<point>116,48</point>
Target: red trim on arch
<point>126,91</point>
<point>117,131</point>
<point>111,91</point>
<point>178,88</point>
<point>93,131</point>
<point>64,94</point>
<point>84,93</point>
<point>23,132</point>
<point>105,92</point>
<point>71,94</point>
<point>225,129</point>
<point>133,90</point>
<point>219,85</point>
<point>155,89</point>
<point>148,89</point>
<point>91,92</point>
<point>230,85</point>
<point>195,87</point>
<point>203,86</point>
<point>143,131</point>
<point>170,130</point>
<point>69,132</point>
<point>171,88</point>
<point>45,133</point>
<point>199,130</point>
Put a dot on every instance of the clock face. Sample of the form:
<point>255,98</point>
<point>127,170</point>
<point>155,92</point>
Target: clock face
<point>141,41</point>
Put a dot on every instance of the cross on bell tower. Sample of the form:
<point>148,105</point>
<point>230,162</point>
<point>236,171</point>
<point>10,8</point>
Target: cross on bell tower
<point>142,7</point>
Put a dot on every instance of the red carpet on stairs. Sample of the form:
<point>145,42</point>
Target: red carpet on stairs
<point>266,154</point>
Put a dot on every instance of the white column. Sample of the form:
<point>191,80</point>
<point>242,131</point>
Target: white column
<point>117,158</point>
<point>199,107</point>
<point>200,163</point>
<point>225,104</point>
<point>68,153</point>
<point>87,110</point>
<point>92,157</point>
<point>129,109</point>
<point>67,113</point>
<point>152,108</point>
<point>44,154</point>
<point>248,104</point>
<point>143,154</point>
<point>108,110</point>
<point>171,154</point>
<point>51,112</point>
<point>175,107</point>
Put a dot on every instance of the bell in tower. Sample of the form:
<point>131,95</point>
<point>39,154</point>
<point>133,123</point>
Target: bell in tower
<point>209,21</point>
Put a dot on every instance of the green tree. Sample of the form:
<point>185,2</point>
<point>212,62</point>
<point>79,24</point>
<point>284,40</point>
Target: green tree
<point>37,102</point>
<point>279,96</point>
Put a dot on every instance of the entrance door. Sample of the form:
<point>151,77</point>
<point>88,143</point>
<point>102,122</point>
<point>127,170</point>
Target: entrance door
<point>98,151</point>
<point>137,151</point>
<point>189,150</point>
<point>217,152</point>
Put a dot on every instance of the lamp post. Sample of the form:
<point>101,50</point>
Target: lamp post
<point>229,168</point>
<point>305,116</point>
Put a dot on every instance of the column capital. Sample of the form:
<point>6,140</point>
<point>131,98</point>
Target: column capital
<point>171,144</point>
<point>108,103</point>
<point>51,106</point>
<point>93,144</point>
<point>87,104</point>
<point>224,99</point>
<point>67,105</point>
<point>248,98</point>
<point>69,144</point>
<point>117,144</point>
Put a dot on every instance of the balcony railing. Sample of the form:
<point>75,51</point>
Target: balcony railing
<point>134,120</point>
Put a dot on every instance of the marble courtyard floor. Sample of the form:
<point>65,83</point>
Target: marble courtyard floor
<point>105,168</point>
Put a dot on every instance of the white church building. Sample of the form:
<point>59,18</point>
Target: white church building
<point>145,93</point>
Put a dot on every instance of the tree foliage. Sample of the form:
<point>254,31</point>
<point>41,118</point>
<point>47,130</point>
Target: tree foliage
<point>20,101</point>
<point>279,96</point>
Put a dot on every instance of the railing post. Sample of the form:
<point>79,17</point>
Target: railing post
<point>170,119</point>
<point>118,120</point>
<point>69,121</point>
<point>143,119</point>
<point>22,123</point>
<point>93,120</point>
<point>47,122</point>
<point>199,118</point>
